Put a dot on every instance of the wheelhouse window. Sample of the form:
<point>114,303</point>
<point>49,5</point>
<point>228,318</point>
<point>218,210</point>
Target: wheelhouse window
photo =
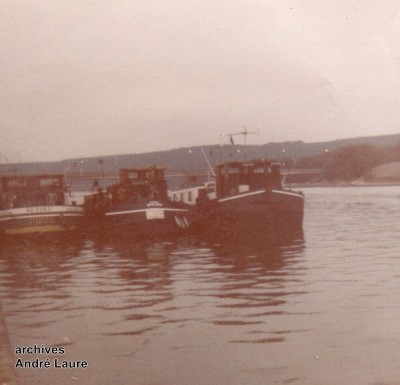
<point>51,181</point>
<point>133,175</point>
<point>11,183</point>
<point>211,188</point>
<point>259,170</point>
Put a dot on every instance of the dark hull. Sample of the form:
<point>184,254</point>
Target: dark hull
<point>40,220</point>
<point>272,214</point>
<point>143,219</point>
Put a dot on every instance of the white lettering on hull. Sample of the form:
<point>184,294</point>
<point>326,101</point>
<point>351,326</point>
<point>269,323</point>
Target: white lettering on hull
<point>155,214</point>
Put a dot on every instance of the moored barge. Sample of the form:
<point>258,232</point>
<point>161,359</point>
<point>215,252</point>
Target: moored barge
<point>246,198</point>
<point>37,204</point>
<point>138,205</point>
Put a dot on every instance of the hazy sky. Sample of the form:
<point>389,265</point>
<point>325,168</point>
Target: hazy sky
<point>96,77</point>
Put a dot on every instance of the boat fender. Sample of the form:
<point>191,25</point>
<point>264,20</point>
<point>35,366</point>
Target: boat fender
<point>121,194</point>
<point>63,221</point>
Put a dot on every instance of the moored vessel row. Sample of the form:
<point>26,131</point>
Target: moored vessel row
<point>243,198</point>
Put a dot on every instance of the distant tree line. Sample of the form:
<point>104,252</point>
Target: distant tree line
<point>345,159</point>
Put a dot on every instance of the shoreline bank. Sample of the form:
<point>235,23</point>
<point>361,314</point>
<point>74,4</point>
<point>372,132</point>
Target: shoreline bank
<point>340,184</point>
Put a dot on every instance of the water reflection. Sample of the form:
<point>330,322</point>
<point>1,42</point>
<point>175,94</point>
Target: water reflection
<point>121,293</point>
<point>256,282</point>
<point>37,264</point>
<point>34,277</point>
<point>141,282</point>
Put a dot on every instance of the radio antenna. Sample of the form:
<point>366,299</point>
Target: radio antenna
<point>244,133</point>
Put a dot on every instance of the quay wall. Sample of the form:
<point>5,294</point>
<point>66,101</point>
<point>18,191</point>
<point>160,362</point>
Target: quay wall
<point>8,374</point>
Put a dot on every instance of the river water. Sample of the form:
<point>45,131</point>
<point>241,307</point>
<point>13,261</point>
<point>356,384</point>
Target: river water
<point>319,309</point>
